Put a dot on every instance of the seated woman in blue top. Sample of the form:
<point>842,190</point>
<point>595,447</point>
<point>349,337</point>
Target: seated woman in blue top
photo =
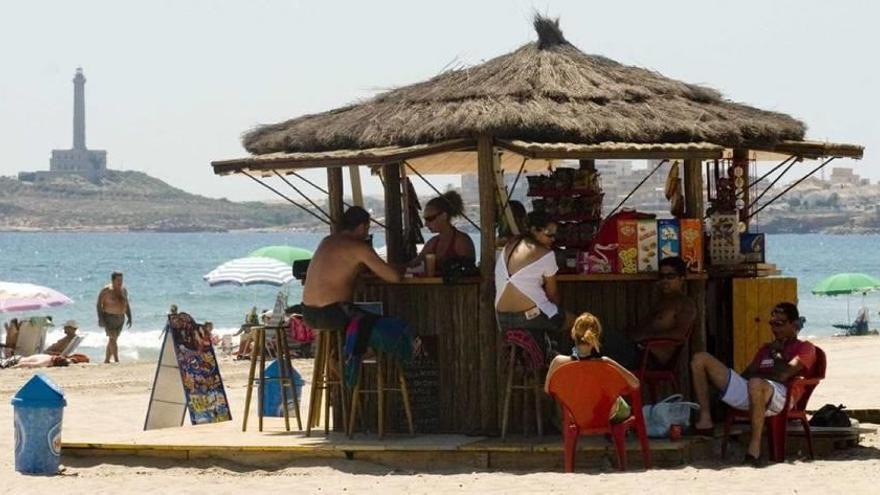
<point>526,295</point>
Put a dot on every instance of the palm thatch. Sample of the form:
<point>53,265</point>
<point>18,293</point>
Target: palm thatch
<point>545,91</point>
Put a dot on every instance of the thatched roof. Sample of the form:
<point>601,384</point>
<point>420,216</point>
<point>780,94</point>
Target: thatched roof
<point>546,91</point>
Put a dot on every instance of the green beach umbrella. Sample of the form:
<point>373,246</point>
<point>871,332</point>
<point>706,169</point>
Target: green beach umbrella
<point>846,283</point>
<point>285,254</point>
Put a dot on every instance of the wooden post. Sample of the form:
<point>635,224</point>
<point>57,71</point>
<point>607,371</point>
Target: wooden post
<point>393,219</point>
<point>741,160</point>
<point>357,192</point>
<point>696,289</point>
<point>487,333</point>
<point>334,188</point>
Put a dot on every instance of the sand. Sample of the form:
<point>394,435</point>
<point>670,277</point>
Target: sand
<point>112,399</point>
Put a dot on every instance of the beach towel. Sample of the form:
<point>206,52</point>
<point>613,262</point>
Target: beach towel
<point>298,331</point>
<point>389,335</point>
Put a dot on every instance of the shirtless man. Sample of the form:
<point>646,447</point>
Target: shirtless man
<point>330,279</point>
<point>673,315</point>
<point>112,308</point>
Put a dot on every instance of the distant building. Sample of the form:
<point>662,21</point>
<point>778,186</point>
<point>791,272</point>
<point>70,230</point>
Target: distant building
<point>79,160</point>
<point>845,176</point>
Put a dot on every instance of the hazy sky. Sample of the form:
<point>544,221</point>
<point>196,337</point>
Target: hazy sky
<point>172,85</point>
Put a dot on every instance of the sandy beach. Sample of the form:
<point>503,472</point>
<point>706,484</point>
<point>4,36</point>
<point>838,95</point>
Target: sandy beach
<point>108,399</point>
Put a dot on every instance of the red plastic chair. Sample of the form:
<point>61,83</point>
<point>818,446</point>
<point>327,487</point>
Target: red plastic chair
<point>800,388</point>
<point>651,373</point>
<point>587,390</point>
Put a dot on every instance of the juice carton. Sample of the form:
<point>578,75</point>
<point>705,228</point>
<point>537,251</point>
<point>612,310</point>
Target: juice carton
<point>669,238</point>
<point>627,245</point>
<point>692,243</point>
<point>647,245</point>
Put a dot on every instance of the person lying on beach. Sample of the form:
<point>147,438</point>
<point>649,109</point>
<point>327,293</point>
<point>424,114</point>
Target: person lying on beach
<point>70,328</point>
<point>35,361</point>
<point>334,268</point>
<point>761,388</point>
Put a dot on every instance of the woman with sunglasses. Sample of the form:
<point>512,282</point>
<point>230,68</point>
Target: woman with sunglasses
<point>449,243</point>
<point>526,294</point>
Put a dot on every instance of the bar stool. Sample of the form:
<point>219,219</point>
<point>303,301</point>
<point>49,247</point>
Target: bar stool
<point>328,375</point>
<point>383,365</point>
<point>522,348</point>
<point>258,353</point>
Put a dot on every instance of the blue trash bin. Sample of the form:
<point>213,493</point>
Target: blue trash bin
<point>272,397</point>
<point>38,407</point>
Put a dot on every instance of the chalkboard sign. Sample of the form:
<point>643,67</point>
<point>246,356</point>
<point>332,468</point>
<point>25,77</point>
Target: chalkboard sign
<point>423,380</point>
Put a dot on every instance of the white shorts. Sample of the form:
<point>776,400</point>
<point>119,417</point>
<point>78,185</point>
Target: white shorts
<point>736,395</point>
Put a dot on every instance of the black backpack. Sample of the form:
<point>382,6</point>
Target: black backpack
<point>831,415</point>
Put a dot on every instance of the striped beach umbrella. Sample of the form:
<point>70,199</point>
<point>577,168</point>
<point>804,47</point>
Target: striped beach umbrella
<point>15,297</point>
<point>251,270</point>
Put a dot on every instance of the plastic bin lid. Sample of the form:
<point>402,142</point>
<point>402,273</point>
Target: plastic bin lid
<point>39,391</point>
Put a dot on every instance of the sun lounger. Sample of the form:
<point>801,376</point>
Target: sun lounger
<point>31,339</point>
<point>71,347</point>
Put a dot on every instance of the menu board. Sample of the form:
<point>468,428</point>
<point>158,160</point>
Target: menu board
<point>423,381</point>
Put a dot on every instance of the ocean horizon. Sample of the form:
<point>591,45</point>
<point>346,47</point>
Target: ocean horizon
<point>162,269</point>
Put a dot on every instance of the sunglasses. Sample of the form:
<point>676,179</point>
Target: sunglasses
<point>668,275</point>
<point>778,323</point>
<point>430,218</point>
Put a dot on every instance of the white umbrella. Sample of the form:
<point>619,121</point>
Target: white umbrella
<point>249,271</point>
<point>16,297</point>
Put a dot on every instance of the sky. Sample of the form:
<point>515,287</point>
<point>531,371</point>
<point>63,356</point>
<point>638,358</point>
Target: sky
<point>172,85</point>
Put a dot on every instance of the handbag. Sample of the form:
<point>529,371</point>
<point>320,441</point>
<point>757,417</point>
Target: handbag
<point>669,411</point>
<point>831,415</point>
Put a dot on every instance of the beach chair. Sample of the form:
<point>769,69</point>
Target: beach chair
<point>652,373</point>
<point>72,345</point>
<point>800,388</point>
<point>587,390</point>
<point>31,339</point>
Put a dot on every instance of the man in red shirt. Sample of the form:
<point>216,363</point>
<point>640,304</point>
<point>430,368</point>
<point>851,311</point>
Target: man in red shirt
<point>761,388</point>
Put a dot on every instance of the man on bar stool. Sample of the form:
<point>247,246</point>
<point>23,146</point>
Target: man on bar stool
<point>333,270</point>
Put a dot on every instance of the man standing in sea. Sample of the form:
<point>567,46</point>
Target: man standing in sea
<point>112,309</point>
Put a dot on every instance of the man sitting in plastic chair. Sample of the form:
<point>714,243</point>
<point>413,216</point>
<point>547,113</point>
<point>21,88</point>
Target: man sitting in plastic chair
<point>760,389</point>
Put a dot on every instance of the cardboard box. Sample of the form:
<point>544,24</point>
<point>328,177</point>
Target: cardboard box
<point>647,232</point>
<point>752,247</point>
<point>668,238</point>
<point>627,246</point>
<point>692,243</point>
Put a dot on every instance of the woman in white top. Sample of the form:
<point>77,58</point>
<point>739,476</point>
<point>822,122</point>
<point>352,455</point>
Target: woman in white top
<point>526,295</point>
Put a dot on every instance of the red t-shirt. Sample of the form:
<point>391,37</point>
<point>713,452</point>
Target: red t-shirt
<point>801,349</point>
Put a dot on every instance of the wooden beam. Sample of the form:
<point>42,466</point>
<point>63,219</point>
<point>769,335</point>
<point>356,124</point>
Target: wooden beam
<point>693,189</point>
<point>393,219</point>
<point>334,189</point>
<point>487,333</point>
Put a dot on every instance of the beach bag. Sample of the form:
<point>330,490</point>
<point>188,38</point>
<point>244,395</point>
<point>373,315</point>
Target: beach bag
<point>669,411</point>
<point>831,415</point>
<point>299,331</point>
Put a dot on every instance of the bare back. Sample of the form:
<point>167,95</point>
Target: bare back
<point>518,255</point>
<point>335,266</point>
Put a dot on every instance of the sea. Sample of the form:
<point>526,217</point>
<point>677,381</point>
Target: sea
<point>162,269</point>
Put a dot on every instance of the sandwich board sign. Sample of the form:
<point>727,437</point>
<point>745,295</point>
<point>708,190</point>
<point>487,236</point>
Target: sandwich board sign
<point>187,378</point>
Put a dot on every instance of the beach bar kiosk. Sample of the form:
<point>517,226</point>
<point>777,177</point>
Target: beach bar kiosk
<point>529,111</point>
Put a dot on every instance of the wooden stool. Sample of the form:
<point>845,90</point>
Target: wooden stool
<point>258,352</point>
<point>531,382</point>
<point>383,364</point>
<point>328,375</point>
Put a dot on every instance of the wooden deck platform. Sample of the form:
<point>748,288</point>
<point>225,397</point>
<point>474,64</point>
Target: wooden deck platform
<point>275,447</point>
